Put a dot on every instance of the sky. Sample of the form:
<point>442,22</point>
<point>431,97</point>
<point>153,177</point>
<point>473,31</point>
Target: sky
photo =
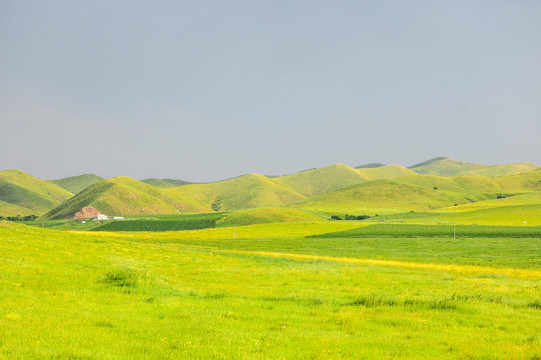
<point>210,89</point>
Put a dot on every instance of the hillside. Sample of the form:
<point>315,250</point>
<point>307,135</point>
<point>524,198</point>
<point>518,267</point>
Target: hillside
<point>369,166</point>
<point>442,166</point>
<point>243,192</point>
<point>383,196</point>
<point>385,172</point>
<point>423,192</point>
<point>75,184</point>
<point>333,189</point>
<point>165,183</point>
<point>319,181</point>
<point>502,170</point>
<point>7,209</point>
<point>126,196</point>
<point>23,190</point>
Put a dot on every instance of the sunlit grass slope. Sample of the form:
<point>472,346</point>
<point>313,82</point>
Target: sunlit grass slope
<point>423,192</point>
<point>505,215</point>
<point>268,215</point>
<point>385,172</point>
<point>502,170</point>
<point>244,192</point>
<point>130,296</point>
<point>320,181</point>
<point>126,196</point>
<point>533,198</point>
<point>21,189</point>
<point>75,184</point>
<point>7,209</point>
<point>442,166</point>
<point>392,195</point>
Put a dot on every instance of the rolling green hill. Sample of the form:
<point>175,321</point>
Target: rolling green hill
<point>243,192</point>
<point>370,166</point>
<point>335,189</point>
<point>384,196</point>
<point>385,172</point>
<point>126,196</point>
<point>320,181</point>
<point>7,209</point>
<point>165,183</point>
<point>442,166</point>
<point>75,184</point>
<point>23,190</point>
<point>423,192</point>
<point>502,170</point>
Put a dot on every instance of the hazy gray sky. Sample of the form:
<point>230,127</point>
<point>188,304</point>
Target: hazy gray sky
<point>204,90</point>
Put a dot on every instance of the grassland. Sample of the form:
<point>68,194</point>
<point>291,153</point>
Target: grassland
<point>440,231</point>
<point>271,293</point>
<point>269,215</point>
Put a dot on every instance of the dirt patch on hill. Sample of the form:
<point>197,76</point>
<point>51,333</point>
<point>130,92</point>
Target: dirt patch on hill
<point>84,213</point>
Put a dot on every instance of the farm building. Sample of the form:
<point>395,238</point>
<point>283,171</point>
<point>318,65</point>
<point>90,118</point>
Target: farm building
<point>100,217</point>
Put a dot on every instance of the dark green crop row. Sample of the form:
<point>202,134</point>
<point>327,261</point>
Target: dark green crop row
<point>156,225</point>
<point>184,222</point>
<point>392,230</point>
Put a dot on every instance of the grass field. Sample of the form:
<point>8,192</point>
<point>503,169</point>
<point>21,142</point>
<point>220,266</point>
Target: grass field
<point>270,294</point>
<point>425,231</point>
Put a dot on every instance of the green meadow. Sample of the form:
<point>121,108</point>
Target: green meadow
<point>441,260</point>
<point>275,291</point>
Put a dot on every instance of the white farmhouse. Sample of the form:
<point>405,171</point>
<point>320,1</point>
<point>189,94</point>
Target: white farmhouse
<point>100,217</point>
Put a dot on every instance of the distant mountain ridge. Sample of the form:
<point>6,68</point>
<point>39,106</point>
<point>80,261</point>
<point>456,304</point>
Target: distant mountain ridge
<point>75,184</point>
<point>165,183</point>
<point>370,166</point>
<point>436,183</point>
<point>443,166</point>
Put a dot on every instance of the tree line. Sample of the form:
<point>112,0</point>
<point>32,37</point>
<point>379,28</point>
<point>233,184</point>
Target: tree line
<point>349,217</point>
<point>19,218</point>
